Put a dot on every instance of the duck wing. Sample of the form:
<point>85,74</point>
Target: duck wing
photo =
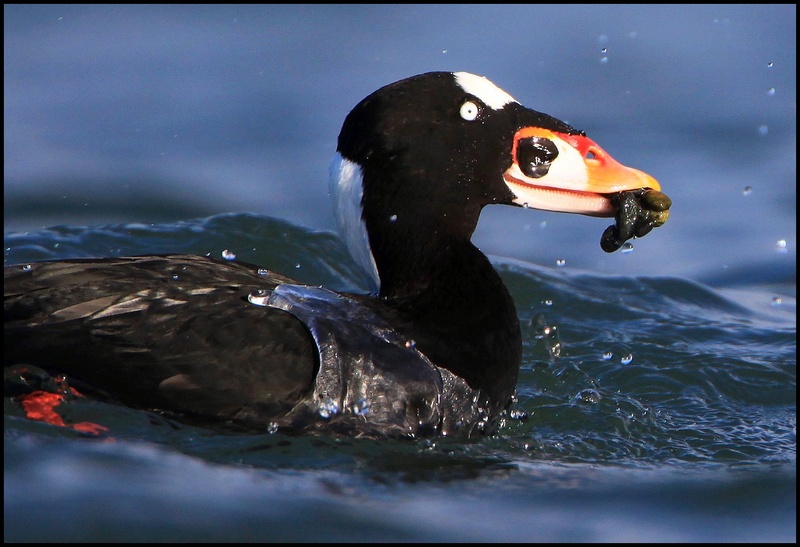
<point>168,331</point>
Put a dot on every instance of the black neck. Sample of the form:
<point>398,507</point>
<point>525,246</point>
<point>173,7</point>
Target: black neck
<point>452,303</point>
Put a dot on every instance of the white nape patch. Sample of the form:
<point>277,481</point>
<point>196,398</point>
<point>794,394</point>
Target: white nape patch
<point>345,185</point>
<point>491,95</point>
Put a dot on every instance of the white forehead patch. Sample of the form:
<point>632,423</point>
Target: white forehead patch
<point>491,95</point>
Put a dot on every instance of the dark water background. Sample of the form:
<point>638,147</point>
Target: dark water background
<point>658,387</point>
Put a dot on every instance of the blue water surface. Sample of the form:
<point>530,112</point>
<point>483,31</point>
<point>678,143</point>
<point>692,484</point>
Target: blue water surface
<point>657,394</point>
<point>649,408</point>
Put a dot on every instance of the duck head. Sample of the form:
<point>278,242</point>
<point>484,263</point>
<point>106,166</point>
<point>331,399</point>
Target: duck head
<point>418,159</point>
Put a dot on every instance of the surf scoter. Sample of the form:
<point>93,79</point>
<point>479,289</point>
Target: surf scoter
<point>434,350</point>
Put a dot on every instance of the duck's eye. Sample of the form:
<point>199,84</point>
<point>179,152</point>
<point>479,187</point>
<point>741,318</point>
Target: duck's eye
<point>470,110</point>
<point>535,155</point>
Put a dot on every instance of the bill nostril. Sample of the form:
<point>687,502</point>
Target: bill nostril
<point>594,153</point>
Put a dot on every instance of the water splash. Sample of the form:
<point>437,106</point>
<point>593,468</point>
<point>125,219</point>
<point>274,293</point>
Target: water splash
<point>549,336</point>
<point>590,396</point>
<point>518,414</point>
<point>328,408</point>
<point>360,407</point>
<point>259,297</point>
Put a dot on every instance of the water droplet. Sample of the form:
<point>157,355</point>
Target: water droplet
<point>548,302</point>
<point>770,65</point>
<point>258,297</point>
<point>561,262</point>
<point>328,408</point>
<point>263,272</point>
<point>763,130</point>
<point>361,407</point>
<point>548,334</point>
<point>543,224</point>
<point>175,277</point>
<point>607,355</point>
<point>780,246</point>
<point>626,248</point>
<point>272,428</point>
<point>297,266</point>
<point>747,190</point>
<point>228,255</point>
<point>771,91</point>
<point>427,444</point>
<point>604,60</point>
<point>627,359</point>
<point>518,414</point>
<point>590,396</point>
<point>777,300</point>
<point>393,218</point>
<point>26,267</point>
<point>410,343</point>
<point>484,420</point>
<point>526,206</point>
